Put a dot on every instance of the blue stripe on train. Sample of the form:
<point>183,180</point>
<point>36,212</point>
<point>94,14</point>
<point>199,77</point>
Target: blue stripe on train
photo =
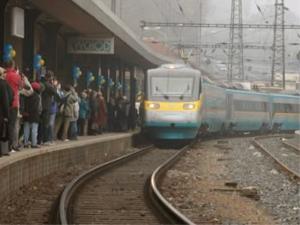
<point>163,130</point>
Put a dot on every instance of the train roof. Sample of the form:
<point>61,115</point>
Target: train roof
<point>251,92</point>
<point>175,67</point>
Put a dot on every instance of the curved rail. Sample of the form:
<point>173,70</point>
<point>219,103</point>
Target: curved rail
<point>76,183</point>
<point>293,174</point>
<point>165,207</point>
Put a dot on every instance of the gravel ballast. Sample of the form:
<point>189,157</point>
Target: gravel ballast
<point>211,184</point>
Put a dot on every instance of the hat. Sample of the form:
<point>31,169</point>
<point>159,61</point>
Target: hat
<point>35,86</point>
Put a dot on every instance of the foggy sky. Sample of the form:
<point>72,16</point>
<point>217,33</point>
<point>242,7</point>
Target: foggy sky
<point>219,10</point>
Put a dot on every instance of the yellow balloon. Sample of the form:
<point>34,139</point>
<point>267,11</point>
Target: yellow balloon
<point>42,62</point>
<point>13,53</point>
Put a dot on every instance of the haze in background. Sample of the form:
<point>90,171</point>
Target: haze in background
<point>257,62</point>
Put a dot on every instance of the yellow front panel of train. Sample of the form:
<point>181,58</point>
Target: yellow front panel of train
<point>173,106</point>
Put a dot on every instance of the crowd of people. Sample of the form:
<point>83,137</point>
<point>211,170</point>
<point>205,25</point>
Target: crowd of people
<point>43,111</point>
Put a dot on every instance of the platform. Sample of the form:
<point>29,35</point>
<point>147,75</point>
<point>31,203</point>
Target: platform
<point>21,168</point>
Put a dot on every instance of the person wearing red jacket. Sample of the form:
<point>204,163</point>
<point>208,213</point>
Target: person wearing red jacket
<point>14,80</point>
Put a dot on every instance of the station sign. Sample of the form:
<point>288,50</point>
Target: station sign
<point>83,45</point>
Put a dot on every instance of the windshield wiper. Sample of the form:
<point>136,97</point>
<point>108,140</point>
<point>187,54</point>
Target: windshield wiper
<point>161,92</point>
<point>185,91</point>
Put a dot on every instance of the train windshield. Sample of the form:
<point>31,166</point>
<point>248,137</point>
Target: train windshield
<point>173,88</point>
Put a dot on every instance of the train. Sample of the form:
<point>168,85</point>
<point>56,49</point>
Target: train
<point>180,104</point>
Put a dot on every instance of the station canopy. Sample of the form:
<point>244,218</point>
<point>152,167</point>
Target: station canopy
<point>93,19</point>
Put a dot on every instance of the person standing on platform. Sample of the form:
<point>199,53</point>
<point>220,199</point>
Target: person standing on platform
<point>102,113</point>
<point>53,112</point>
<point>111,114</point>
<point>84,111</point>
<point>15,82</point>
<point>49,91</point>
<point>6,98</point>
<point>67,112</point>
<point>31,116</point>
<point>94,110</point>
<point>73,130</point>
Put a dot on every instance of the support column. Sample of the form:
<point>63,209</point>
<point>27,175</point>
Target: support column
<point>113,77</point>
<point>132,85</point>
<point>123,77</point>
<point>51,51</point>
<point>132,110</point>
<point>104,70</point>
<point>3,4</point>
<point>28,50</point>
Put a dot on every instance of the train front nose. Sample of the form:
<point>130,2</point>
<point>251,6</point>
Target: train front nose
<point>172,119</point>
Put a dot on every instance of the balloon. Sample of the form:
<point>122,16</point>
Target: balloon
<point>6,58</point>
<point>13,53</point>
<point>37,61</point>
<point>111,82</point>
<point>8,48</point>
<point>89,78</point>
<point>42,62</point>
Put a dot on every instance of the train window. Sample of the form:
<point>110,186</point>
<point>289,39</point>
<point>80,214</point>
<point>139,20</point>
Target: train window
<point>175,87</point>
<point>286,108</point>
<point>214,103</point>
<point>250,106</point>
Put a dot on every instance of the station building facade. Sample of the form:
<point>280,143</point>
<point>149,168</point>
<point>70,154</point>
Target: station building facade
<point>56,29</point>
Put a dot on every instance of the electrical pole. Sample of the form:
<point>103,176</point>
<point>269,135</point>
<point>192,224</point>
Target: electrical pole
<point>236,55</point>
<point>200,31</point>
<point>278,62</point>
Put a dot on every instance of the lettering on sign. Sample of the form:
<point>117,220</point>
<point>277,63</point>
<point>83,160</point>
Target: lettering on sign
<point>101,46</point>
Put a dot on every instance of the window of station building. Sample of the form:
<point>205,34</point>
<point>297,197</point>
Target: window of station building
<point>286,108</point>
<point>250,106</point>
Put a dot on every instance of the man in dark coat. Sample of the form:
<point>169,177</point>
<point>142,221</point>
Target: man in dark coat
<point>6,98</point>
<point>49,91</point>
<point>31,116</point>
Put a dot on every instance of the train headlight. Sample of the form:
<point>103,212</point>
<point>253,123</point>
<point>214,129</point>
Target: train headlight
<point>189,106</point>
<point>153,105</point>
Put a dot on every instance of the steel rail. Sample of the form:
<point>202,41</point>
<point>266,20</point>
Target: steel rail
<point>76,183</point>
<point>169,211</point>
<point>294,147</point>
<point>293,174</point>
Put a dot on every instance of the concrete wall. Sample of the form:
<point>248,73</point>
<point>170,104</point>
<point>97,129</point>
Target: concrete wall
<point>24,167</point>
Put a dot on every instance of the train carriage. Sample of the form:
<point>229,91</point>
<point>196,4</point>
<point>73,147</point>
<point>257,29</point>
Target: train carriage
<point>214,108</point>
<point>247,111</point>
<point>285,112</point>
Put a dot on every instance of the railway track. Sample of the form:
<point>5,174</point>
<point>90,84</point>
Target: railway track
<point>275,153</point>
<point>123,191</point>
<point>292,146</point>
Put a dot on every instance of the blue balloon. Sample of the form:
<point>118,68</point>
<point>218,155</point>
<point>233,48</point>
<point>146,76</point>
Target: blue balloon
<point>36,61</point>
<point>8,48</point>
<point>74,72</point>
<point>6,57</point>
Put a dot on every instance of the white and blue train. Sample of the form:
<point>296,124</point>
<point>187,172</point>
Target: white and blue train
<point>180,104</point>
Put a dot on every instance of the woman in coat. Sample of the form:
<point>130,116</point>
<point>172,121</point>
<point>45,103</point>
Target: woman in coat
<point>102,112</point>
